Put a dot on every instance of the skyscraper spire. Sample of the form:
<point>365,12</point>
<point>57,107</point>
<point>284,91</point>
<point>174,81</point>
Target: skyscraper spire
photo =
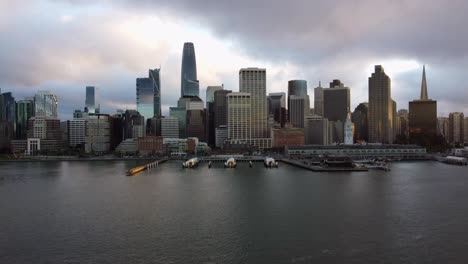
<point>424,85</point>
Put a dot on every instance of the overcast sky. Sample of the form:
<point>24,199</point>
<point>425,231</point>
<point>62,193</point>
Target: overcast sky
<point>63,46</point>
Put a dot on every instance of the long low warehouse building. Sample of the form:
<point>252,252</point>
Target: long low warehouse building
<point>358,151</point>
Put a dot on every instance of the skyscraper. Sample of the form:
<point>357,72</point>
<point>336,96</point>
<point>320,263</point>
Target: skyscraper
<point>90,101</point>
<point>277,107</point>
<point>220,107</point>
<point>361,124</point>
<point>456,128</point>
<point>299,109</point>
<point>210,114</point>
<point>296,88</point>
<point>45,104</point>
<point>318,100</point>
<point>317,131</point>
<point>422,116</point>
<point>7,119</point>
<point>253,81</point>
<point>239,116</point>
<point>148,95</point>
<point>189,81</point>
<point>336,106</point>
<point>380,107</point>
<point>24,111</point>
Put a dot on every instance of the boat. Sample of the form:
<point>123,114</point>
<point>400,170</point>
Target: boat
<point>270,163</point>
<point>209,165</point>
<point>191,163</point>
<point>230,163</point>
<point>250,164</point>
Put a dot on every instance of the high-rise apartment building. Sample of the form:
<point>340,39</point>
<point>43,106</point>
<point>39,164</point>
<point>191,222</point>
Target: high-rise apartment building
<point>381,107</point>
<point>239,117</point>
<point>45,104</point>
<point>456,128</point>
<point>253,81</point>
<point>422,116</point>
<point>189,81</point>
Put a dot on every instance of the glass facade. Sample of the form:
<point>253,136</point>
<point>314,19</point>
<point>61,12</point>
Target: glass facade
<point>90,102</point>
<point>45,104</point>
<point>24,111</point>
<point>189,81</point>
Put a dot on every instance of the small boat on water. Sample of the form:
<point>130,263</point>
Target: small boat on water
<point>191,163</point>
<point>230,163</point>
<point>270,163</point>
<point>209,165</point>
<point>250,164</point>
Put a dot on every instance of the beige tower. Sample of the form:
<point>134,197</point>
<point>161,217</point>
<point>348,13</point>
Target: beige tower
<point>381,107</point>
<point>239,115</point>
<point>253,81</point>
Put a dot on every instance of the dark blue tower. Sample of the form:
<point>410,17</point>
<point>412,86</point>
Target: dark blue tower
<point>189,81</point>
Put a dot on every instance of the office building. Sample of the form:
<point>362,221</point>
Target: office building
<point>336,106</point>
<point>170,127</point>
<point>221,135</point>
<point>443,127</point>
<point>422,116</point>
<point>196,123</point>
<point>210,113</point>
<point>77,132</point>
<point>253,81</point>
<point>465,130</point>
<point>239,116</point>
<point>98,133</point>
<point>44,135</point>
<point>277,108</point>
<point>148,95</point>
<point>456,128</point>
<point>133,125</point>
<point>296,88</point>
<point>189,81</point>
<point>402,128</point>
<point>90,101</point>
<point>220,107</point>
<point>381,108</point>
<point>45,104</point>
<point>317,131</point>
<point>287,136</point>
<point>299,109</point>
<point>24,111</point>
<point>318,100</point>
<point>360,120</point>
<point>7,120</point>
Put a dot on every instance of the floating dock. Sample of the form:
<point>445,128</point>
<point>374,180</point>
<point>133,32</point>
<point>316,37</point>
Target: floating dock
<point>148,166</point>
<point>322,169</point>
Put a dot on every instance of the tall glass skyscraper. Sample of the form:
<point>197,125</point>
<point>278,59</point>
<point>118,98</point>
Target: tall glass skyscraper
<point>148,95</point>
<point>90,102</point>
<point>189,81</point>
<point>24,111</point>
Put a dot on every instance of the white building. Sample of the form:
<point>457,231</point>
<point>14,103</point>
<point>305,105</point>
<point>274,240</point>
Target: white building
<point>253,81</point>
<point>77,132</point>
<point>170,127</point>
<point>239,116</point>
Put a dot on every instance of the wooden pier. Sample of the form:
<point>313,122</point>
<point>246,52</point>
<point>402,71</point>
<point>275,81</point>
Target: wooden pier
<point>148,166</point>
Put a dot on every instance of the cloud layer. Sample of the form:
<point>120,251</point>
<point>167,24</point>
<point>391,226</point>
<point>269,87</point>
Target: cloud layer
<point>66,45</point>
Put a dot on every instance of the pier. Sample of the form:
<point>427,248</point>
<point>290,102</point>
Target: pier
<point>148,166</point>
<point>320,168</point>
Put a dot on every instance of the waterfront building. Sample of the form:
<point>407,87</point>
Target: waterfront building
<point>318,100</point>
<point>24,111</point>
<point>299,109</point>
<point>443,127</point>
<point>151,145</point>
<point>189,81</point>
<point>45,104</point>
<point>317,131</point>
<point>239,116</point>
<point>277,108</point>
<point>90,101</point>
<point>422,116</point>
<point>348,131</point>
<point>368,151</point>
<point>196,123</point>
<point>170,127</point>
<point>361,124</point>
<point>133,124</point>
<point>98,133</point>
<point>220,107</point>
<point>44,133</point>
<point>456,128</point>
<point>128,146</point>
<point>7,119</point>
<point>402,127</point>
<point>287,137</point>
<point>77,132</point>
<point>465,130</point>
<point>180,114</point>
<point>221,135</point>
<point>336,106</point>
<point>381,107</point>
<point>253,81</point>
<point>210,113</point>
<point>175,146</point>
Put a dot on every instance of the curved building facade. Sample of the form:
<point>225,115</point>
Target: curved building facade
<point>189,81</point>
<point>297,87</point>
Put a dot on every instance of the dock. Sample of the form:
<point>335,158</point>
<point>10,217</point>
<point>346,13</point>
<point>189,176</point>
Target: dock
<point>321,169</point>
<point>147,166</point>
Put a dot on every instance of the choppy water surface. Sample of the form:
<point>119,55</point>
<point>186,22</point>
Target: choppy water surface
<point>90,212</point>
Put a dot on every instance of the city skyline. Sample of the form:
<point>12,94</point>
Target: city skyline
<point>64,67</point>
